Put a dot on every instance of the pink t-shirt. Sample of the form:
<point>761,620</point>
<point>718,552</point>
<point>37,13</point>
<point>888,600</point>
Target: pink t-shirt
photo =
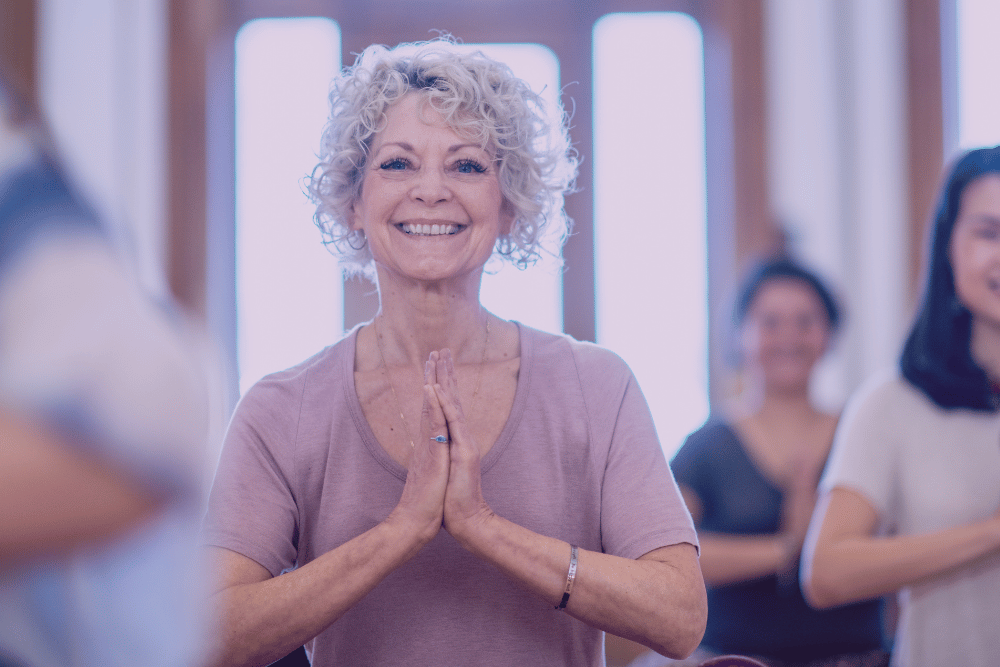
<point>301,473</point>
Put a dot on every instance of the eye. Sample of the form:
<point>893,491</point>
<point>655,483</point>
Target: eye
<point>469,166</point>
<point>989,231</point>
<point>770,322</point>
<point>395,164</point>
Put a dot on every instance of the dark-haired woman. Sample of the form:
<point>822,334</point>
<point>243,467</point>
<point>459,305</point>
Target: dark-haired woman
<point>912,494</point>
<point>750,483</point>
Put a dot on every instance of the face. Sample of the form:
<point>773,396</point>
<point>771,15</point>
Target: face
<point>975,249</point>
<point>430,202</point>
<point>785,333</point>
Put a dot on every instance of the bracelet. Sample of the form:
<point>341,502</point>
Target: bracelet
<point>570,576</point>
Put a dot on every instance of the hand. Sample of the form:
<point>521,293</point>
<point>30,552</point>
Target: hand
<point>797,511</point>
<point>464,506</point>
<point>422,501</point>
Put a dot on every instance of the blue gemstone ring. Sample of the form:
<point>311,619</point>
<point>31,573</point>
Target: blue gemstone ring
<point>440,438</point>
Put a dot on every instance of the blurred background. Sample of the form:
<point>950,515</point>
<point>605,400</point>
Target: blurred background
<point>712,133</point>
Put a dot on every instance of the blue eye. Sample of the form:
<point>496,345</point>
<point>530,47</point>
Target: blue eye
<point>469,167</point>
<point>395,164</point>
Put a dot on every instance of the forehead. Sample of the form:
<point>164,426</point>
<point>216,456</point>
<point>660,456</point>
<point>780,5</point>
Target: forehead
<point>981,197</point>
<point>415,114</point>
<point>785,293</point>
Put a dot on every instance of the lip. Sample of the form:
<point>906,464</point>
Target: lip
<point>430,228</point>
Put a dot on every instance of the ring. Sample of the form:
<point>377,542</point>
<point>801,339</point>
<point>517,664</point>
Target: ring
<point>440,438</point>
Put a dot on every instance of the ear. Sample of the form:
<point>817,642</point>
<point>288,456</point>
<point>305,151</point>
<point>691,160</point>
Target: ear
<point>355,217</point>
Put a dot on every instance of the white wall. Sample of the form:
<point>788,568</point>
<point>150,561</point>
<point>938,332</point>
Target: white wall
<point>838,180</point>
<point>102,82</point>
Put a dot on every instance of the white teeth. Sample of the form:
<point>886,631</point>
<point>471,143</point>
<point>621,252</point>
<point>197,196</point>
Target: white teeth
<point>430,230</point>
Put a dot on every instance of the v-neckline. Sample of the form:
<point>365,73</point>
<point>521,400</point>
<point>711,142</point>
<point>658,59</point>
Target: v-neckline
<point>380,454</point>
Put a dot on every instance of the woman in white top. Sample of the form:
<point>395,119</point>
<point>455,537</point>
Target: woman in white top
<point>911,497</point>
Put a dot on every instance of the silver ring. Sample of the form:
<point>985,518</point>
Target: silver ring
<point>440,438</point>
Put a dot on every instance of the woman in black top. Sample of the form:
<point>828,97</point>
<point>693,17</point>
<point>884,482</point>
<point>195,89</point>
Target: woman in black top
<point>750,478</point>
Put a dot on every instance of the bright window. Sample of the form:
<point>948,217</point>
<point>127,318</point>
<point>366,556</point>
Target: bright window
<point>289,290</point>
<point>650,236</point>
<point>978,89</point>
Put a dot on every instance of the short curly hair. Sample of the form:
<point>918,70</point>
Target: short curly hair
<point>479,98</point>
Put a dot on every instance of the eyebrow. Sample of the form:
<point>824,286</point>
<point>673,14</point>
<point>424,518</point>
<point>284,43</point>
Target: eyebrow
<point>407,146</point>
<point>985,216</point>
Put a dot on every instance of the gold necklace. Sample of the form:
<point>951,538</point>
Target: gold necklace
<point>388,376</point>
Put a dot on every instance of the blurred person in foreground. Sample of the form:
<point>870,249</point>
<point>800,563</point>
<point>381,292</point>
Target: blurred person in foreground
<point>749,479</point>
<point>443,486</point>
<point>911,499</point>
<point>102,430</point>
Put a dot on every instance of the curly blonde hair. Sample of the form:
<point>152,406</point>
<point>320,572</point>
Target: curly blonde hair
<point>479,98</point>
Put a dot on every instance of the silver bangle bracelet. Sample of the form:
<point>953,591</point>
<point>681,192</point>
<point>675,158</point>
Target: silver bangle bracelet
<point>570,576</point>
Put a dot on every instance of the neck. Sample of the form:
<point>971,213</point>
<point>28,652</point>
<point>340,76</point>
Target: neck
<point>985,346</point>
<point>781,403</point>
<point>414,319</point>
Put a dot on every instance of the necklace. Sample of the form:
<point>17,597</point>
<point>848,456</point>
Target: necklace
<point>392,387</point>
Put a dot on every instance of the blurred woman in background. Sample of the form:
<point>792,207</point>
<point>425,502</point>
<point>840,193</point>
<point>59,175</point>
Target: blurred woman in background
<point>749,479</point>
<point>911,499</point>
<point>104,419</point>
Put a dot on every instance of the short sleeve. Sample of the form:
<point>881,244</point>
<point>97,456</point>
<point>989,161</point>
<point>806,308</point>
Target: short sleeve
<point>252,508</point>
<point>641,507</point>
<point>85,350</point>
<point>862,457</point>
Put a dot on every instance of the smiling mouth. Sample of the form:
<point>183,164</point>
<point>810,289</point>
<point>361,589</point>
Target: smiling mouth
<point>429,230</point>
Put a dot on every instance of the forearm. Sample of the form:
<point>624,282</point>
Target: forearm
<point>659,604</point>
<point>53,498</point>
<point>727,559</point>
<point>861,567</point>
<point>264,621</point>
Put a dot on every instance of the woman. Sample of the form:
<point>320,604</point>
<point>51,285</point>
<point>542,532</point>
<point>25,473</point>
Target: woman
<point>750,481</point>
<point>102,432</point>
<point>912,495</point>
<point>411,494</point>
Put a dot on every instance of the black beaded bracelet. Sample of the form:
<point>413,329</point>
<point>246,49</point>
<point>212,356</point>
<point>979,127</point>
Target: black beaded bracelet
<point>570,576</point>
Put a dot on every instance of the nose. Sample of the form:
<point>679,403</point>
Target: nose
<point>431,186</point>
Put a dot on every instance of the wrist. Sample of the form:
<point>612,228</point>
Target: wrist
<point>409,528</point>
<point>789,547</point>
<point>475,532</point>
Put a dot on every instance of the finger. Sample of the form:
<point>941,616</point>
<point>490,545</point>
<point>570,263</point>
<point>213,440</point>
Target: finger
<point>437,424</point>
<point>448,394</point>
<point>432,420</point>
<point>431,368</point>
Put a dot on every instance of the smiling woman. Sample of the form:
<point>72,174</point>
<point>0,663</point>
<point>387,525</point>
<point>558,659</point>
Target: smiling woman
<point>750,481</point>
<point>430,200</point>
<point>435,486</point>
<point>911,499</point>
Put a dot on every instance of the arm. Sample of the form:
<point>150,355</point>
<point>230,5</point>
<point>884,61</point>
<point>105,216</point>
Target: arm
<point>657,600</point>
<point>53,499</point>
<point>844,561</point>
<point>263,618</point>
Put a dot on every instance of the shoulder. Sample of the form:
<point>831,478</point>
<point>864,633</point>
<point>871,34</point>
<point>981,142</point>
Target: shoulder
<point>886,395</point>
<point>589,360</point>
<point>713,430</point>
<point>706,442</point>
<point>280,392</point>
